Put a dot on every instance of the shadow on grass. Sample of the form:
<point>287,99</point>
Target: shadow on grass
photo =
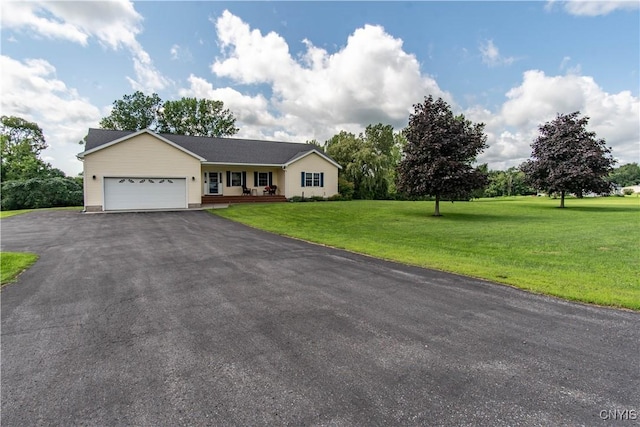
<point>457,216</point>
<point>604,208</point>
<point>574,208</point>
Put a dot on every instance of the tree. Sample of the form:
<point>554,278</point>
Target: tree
<point>507,183</point>
<point>133,112</point>
<point>21,143</point>
<point>385,147</point>
<point>197,117</point>
<point>567,158</point>
<point>625,175</point>
<point>186,116</point>
<point>437,159</point>
<point>315,143</point>
<point>41,193</point>
<point>368,160</point>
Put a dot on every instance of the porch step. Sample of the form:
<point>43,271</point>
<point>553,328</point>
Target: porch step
<point>208,200</point>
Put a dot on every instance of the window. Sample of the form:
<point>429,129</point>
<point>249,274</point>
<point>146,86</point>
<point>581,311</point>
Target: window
<point>236,179</point>
<point>312,179</point>
<point>263,179</point>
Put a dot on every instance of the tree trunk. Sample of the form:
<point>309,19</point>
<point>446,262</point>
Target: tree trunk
<point>562,199</point>
<point>437,212</point>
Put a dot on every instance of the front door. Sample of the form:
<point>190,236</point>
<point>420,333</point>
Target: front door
<point>213,183</point>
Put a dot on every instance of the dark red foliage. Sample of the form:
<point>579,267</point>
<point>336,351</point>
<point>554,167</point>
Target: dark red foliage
<point>567,158</point>
<point>437,159</point>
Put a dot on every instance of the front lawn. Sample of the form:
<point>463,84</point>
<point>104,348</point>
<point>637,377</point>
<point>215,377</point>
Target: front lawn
<point>586,252</point>
<point>14,263</point>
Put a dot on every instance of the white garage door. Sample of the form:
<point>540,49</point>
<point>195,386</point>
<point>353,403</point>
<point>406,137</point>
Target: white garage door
<point>144,193</point>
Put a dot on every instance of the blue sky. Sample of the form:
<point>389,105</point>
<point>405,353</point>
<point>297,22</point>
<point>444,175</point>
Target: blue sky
<point>295,71</point>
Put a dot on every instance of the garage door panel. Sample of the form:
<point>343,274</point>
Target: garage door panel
<point>145,193</point>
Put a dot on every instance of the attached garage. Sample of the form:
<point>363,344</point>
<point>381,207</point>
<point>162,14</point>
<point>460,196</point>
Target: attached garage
<point>126,193</point>
<point>138,171</point>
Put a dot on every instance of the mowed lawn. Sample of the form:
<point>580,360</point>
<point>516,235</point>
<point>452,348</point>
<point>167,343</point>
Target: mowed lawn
<point>589,251</point>
<point>14,263</point>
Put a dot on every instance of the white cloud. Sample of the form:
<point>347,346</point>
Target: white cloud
<point>593,7</point>
<point>180,53</point>
<point>29,16</point>
<point>538,99</point>
<point>251,111</point>
<point>491,55</point>
<point>148,78</point>
<point>114,24</point>
<point>565,66</point>
<point>371,79</point>
<point>30,90</point>
<point>175,49</point>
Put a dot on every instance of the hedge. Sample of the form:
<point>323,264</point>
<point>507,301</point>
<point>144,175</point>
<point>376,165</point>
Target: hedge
<point>41,193</point>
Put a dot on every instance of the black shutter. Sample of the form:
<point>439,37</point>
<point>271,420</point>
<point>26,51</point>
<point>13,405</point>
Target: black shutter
<point>255,179</point>
<point>244,178</point>
<point>302,180</point>
<point>228,178</point>
<point>270,179</point>
<point>321,179</point>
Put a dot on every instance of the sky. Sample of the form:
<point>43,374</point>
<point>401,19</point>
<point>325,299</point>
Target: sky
<point>297,71</point>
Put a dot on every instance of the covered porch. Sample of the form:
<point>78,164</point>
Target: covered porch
<point>242,184</point>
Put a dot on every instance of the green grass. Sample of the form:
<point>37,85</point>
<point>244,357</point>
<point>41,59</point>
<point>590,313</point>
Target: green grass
<point>14,263</point>
<point>587,252</point>
<point>6,214</point>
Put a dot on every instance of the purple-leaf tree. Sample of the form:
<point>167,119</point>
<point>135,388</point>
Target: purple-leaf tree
<point>567,158</point>
<point>438,156</point>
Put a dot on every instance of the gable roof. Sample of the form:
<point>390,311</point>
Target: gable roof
<point>103,141</point>
<point>214,150</point>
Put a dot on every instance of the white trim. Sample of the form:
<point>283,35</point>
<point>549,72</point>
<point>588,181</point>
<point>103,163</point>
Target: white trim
<point>206,191</point>
<point>270,165</point>
<point>266,174</point>
<point>324,156</point>
<point>154,176</point>
<point>120,176</point>
<point>133,135</point>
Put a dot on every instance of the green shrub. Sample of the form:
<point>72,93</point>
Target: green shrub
<point>41,193</point>
<point>627,191</point>
<point>307,199</point>
<point>345,188</point>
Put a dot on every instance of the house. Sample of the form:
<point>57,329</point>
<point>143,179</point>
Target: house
<point>634,188</point>
<point>126,170</point>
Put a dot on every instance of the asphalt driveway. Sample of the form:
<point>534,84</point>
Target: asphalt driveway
<point>189,319</point>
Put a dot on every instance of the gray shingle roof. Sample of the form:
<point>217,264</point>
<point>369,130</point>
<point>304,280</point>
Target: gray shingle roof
<point>218,150</point>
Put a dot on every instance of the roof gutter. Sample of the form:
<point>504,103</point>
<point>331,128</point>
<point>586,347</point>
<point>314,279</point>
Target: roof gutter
<point>271,165</point>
